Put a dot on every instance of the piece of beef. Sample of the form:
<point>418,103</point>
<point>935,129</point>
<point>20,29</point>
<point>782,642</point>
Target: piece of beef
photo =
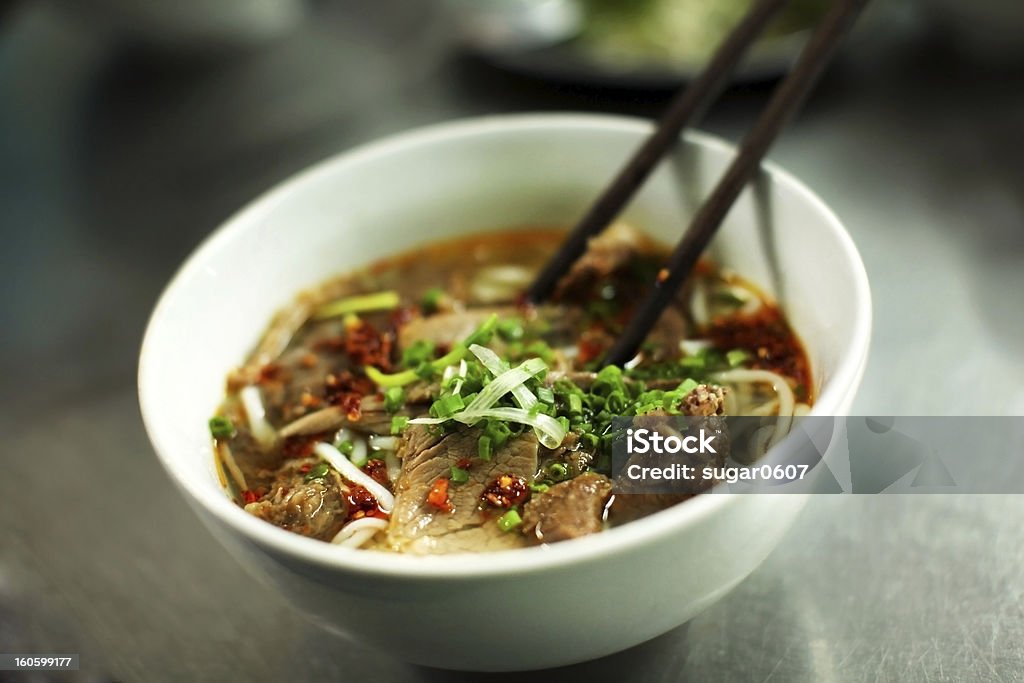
<point>567,510</point>
<point>418,526</point>
<point>445,329</point>
<point>316,508</point>
<point>605,254</point>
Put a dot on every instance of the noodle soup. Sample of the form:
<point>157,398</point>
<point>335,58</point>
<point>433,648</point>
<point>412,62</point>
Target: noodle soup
<point>420,405</point>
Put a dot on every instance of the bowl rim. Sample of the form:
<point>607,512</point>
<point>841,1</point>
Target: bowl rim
<point>504,562</point>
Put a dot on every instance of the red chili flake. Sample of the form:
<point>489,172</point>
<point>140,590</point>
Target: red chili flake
<point>335,343</point>
<point>589,347</point>
<point>438,496</point>
<point>269,372</point>
<point>364,345</point>
<point>464,463</point>
<point>506,491</point>
<point>347,390</point>
<point>361,503</point>
<point>250,497</point>
<point>300,446</point>
<point>770,341</point>
<point>663,275</point>
<point>304,468</point>
<point>378,470</point>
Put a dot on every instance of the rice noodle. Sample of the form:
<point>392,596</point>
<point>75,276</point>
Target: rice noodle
<point>767,408</point>
<point>394,465</point>
<point>358,532</point>
<point>691,347</point>
<point>320,421</point>
<point>256,415</point>
<point>499,283</point>
<point>383,443</point>
<point>699,306</point>
<point>347,469</point>
<point>787,402</point>
<point>228,458</point>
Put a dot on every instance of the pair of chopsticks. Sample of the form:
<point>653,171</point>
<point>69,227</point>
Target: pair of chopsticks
<point>686,107</point>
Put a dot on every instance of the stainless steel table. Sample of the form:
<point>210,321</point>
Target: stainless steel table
<point>115,162</point>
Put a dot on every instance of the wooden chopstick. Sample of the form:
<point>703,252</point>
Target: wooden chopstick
<point>784,103</point>
<point>686,107</point>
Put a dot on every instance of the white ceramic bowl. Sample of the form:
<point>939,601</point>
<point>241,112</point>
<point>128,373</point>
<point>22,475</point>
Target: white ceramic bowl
<point>520,609</point>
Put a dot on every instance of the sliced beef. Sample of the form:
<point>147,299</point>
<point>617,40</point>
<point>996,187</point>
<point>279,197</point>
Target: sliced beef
<point>317,508</point>
<point>419,527</point>
<point>605,254</point>
<point>445,329</point>
<point>567,510</point>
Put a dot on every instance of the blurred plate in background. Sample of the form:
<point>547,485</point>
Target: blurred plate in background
<point>654,44</point>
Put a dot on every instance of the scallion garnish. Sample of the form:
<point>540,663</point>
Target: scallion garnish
<point>736,357</point>
<point>483,447</point>
<point>221,427</point>
<point>394,399</point>
<point>510,520</point>
<point>446,406</point>
<point>431,300</point>
<point>318,471</point>
<point>398,423</point>
<point>457,353</point>
<point>459,475</point>
<point>380,301</point>
<point>556,471</point>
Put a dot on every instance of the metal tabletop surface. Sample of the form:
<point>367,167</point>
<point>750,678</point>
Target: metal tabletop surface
<point>116,161</point>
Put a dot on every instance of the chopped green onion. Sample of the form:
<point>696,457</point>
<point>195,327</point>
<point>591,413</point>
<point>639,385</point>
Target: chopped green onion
<point>346,447</point>
<point>221,427</point>
<point>446,406</point>
<point>483,334</point>
<point>457,353</point>
<point>394,399</point>
<point>541,350</point>
<point>539,488</point>
<point>431,299</point>
<point>736,357</point>
<point>397,379</point>
<point>557,471</point>
<point>459,475</point>
<point>687,386</point>
<point>697,362</point>
<point>483,447</point>
<point>398,423</point>
<point>318,471</point>
<point>546,395</point>
<point>420,351</point>
<point>510,520</point>
<point>564,421</point>
<point>575,404</point>
<point>510,329</point>
<point>498,432</point>
<point>729,297</point>
<point>616,401</point>
<point>380,301</point>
